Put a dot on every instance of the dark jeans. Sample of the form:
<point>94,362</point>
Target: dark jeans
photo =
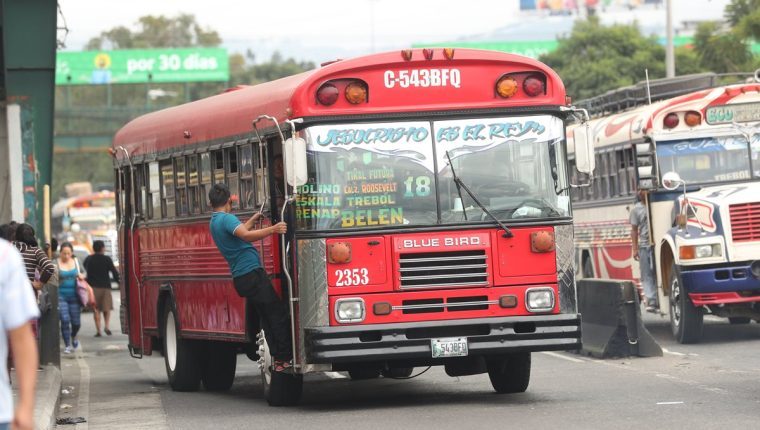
<point>257,289</point>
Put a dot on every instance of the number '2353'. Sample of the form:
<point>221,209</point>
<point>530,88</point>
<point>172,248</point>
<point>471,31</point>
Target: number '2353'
<point>351,277</point>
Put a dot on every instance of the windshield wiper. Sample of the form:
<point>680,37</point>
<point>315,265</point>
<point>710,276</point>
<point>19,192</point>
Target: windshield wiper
<point>460,185</point>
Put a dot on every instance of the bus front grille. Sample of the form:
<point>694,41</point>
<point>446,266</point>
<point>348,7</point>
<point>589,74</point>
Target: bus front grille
<point>443,269</point>
<point>745,221</point>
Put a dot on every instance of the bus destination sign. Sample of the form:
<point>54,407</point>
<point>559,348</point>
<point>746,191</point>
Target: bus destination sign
<point>727,114</point>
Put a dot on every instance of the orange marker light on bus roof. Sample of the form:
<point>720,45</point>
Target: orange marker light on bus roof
<point>327,94</point>
<point>427,53</point>
<point>448,53</point>
<point>506,87</point>
<point>356,92</point>
<point>692,118</point>
<point>406,54</point>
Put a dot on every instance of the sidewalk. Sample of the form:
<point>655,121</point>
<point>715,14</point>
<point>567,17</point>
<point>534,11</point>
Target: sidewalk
<point>46,397</point>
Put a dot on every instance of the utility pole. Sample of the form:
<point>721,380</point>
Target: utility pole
<point>670,60</point>
<point>372,24</point>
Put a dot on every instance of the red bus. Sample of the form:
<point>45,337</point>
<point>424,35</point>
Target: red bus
<point>427,195</point>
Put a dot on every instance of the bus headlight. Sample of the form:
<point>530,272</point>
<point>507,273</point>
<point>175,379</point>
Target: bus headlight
<point>349,310</point>
<point>539,299</point>
<point>690,252</point>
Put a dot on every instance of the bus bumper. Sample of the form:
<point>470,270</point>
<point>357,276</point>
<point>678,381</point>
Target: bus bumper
<point>729,283</point>
<point>410,341</point>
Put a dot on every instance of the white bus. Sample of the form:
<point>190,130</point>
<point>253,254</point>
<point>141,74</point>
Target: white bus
<point>705,225</point>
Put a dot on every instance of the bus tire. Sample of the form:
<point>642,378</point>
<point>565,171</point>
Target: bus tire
<point>361,374</point>
<point>398,372</point>
<point>685,319</point>
<point>510,374</point>
<point>181,356</point>
<point>280,388</point>
<point>739,320</point>
<point>219,365</point>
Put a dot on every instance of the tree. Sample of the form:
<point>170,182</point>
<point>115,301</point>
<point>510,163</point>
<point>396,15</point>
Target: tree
<point>157,32</point>
<point>596,58</point>
<point>744,17</point>
<point>721,50</point>
<point>245,71</point>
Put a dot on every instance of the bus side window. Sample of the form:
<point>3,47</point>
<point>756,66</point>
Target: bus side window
<point>205,173</point>
<point>192,184</point>
<point>181,180</point>
<point>167,190</point>
<point>154,191</point>
<point>261,171</point>
<point>218,166</point>
<point>247,192</point>
<point>138,189</point>
<point>233,181</point>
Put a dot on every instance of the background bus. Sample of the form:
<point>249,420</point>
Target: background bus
<point>711,139</point>
<point>85,218</point>
<point>390,263</point>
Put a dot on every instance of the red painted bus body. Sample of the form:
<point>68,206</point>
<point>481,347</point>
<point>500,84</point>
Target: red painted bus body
<point>425,269</point>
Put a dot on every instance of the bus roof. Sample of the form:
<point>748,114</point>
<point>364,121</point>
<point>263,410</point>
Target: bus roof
<point>647,120</point>
<point>230,114</point>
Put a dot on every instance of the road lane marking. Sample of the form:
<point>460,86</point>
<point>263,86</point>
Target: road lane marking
<point>670,403</point>
<point>666,351</point>
<point>564,357</point>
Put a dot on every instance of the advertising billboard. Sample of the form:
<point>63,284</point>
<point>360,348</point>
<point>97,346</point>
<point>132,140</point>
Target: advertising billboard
<point>134,66</point>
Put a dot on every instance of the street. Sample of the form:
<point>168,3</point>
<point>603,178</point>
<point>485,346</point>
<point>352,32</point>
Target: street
<point>691,386</point>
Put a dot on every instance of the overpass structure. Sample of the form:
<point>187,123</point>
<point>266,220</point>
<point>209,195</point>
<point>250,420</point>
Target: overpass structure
<point>27,70</point>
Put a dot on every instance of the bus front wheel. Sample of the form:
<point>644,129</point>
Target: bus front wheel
<point>685,319</point>
<point>280,388</point>
<point>510,374</point>
<point>181,356</point>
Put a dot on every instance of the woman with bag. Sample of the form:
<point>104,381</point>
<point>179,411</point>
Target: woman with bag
<point>69,305</point>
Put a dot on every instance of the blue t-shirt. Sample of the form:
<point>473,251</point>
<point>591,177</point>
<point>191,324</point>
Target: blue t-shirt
<point>240,255</point>
<point>67,283</point>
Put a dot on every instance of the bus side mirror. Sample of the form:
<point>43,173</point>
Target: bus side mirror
<point>295,165</point>
<point>584,149</point>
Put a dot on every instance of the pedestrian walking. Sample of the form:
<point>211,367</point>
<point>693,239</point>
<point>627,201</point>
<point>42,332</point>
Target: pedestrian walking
<point>69,307</point>
<point>39,269</point>
<point>17,310</point>
<point>100,270</point>
<point>642,250</point>
<point>233,239</point>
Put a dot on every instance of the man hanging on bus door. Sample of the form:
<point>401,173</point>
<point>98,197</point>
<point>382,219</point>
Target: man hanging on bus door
<point>642,250</point>
<point>233,239</point>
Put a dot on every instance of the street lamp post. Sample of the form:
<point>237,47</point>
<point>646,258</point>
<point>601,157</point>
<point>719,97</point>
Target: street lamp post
<point>670,60</point>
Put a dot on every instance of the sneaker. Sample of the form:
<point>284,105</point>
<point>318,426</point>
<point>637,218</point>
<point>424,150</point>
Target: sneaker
<point>652,309</point>
<point>108,332</point>
<point>67,350</point>
<point>75,343</point>
<point>97,334</point>
<point>282,366</point>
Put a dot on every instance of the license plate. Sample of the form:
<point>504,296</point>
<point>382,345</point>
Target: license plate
<point>449,347</point>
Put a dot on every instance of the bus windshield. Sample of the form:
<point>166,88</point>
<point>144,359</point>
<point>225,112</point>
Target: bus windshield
<point>710,159</point>
<point>389,174</point>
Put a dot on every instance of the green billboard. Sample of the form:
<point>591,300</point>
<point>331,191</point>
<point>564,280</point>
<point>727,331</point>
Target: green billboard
<point>135,66</point>
<point>528,48</point>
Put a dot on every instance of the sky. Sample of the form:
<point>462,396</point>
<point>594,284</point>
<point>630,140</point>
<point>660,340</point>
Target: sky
<point>322,30</point>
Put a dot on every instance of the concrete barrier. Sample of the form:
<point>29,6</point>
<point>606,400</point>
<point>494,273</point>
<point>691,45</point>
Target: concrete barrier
<point>611,320</point>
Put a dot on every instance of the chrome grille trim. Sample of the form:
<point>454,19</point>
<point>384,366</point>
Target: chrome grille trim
<point>464,266</point>
<point>469,284</point>
<point>446,269</point>
<point>433,259</point>
<point>445,305</point>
